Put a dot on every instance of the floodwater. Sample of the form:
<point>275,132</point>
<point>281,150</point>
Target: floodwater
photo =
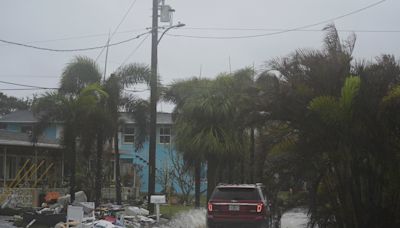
<point>4,222</point>
<point>296,218</point>
<point>195,218</point>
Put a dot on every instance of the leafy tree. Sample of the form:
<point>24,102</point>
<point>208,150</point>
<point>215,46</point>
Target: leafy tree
<point>10,104</point>
<point>339,139</point>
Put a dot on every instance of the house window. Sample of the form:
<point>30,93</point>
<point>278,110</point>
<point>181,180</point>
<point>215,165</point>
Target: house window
<point>129,134</point>
<point>26,129</point>
<point>11,167</point>
<point>3,126</point>
<point>165,135</point>
<point>1,167</point>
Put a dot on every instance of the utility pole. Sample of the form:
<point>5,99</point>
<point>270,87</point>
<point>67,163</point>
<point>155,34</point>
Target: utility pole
<point>166,16</point>
<point>153,106</point>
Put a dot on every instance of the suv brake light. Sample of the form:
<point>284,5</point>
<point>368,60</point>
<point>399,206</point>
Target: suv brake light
<point>210,207</point>
<point>260,207</point>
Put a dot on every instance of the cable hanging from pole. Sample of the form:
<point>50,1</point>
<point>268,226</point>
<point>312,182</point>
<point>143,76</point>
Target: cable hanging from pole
<point>72,50</point>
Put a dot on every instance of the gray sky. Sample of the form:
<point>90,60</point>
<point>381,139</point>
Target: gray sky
<point>86,23</point>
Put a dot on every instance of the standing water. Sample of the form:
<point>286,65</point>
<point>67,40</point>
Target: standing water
<point>195,218</point>
<point>295,218</point>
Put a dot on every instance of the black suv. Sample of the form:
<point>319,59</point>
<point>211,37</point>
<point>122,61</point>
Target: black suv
<point>238,204</point>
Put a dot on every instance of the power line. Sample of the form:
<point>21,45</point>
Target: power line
<point>24,85</point>
<point>284,31</point>
<point>28,76</point>
<point>18,89</point>
<point>81,37</point>
<point>116,29</point>
<point>34,87</point>
<point>72,50</point>
<point>134,51</point>
<point>299,30</point>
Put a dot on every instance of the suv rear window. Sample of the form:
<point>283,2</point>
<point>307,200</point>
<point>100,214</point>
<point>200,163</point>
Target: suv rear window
<point>222,193</point>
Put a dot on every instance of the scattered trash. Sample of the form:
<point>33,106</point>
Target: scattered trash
<point>136,211</point>
<point>79,197</point>
<point>58,212</point>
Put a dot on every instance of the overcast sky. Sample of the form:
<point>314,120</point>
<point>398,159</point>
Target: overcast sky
<point>70,24</point>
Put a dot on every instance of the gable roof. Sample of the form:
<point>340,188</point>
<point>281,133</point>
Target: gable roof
<point>20,116</point>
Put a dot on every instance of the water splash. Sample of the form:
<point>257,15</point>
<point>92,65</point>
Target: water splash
<point>195,218</point>
<point>295,218</point>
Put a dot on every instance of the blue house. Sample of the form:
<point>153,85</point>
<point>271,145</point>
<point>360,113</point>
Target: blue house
<point>134,164</point>
<point>164,148</point>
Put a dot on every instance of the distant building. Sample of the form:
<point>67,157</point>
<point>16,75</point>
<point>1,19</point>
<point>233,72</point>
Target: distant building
<point>16,147</point>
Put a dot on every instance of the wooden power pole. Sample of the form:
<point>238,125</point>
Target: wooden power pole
<point>153,106</point>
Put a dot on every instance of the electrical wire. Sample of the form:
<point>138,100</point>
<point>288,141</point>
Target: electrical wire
<point>116,29</point>
<point>24,85</point>
<point>299,30</point>
<point>134,51</point>
<point>18,89</point>
<point>81,37</point>
<point>72,50</point>
<point>27,76</point>
<point>283,31</point>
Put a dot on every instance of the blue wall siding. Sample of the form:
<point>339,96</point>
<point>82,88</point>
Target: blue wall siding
<point>51,132</point>
<point>141,157</point>
<point>13,127</point>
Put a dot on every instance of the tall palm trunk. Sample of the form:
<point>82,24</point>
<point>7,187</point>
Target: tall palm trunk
<point>99,167</point>
<point>211,177</point>
<point>197,171</point>
<point>117,170</point>
<point>72,170</point>
<point>252,152</point>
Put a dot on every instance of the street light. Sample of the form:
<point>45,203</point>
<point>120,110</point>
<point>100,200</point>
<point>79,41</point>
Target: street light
<point>169,28</point>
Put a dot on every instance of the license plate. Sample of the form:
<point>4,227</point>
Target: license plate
<point>234,207</point>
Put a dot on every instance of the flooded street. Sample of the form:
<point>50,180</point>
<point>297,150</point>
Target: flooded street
<point>196,218</point>
<point>4,222</point>
<point>294,218</point>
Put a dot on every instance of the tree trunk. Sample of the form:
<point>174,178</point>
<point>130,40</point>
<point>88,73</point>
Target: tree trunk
<point>211,177</point>
<point>117,170</point>
<point>72,166</point>
<point>252,152</point>
<point>242,172</point>
<point>197,172</point>
<point>99,167</point>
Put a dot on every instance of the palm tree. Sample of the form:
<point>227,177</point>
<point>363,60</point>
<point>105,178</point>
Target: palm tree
<point>65,106</point>
<point>74,112</point>
<point>203,126</point>
<point>124,77</point>
<point>84,71</point>
<point>178,94</point>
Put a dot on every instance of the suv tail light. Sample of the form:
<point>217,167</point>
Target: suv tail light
<point>260,207</point>
<point>210,207</point>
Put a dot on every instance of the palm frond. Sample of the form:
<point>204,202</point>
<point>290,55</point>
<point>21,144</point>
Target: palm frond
<point>79,73</point>
<point>135,73</point>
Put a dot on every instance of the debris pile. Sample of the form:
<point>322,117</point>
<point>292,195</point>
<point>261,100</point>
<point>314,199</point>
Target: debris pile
<point>58,212</point>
